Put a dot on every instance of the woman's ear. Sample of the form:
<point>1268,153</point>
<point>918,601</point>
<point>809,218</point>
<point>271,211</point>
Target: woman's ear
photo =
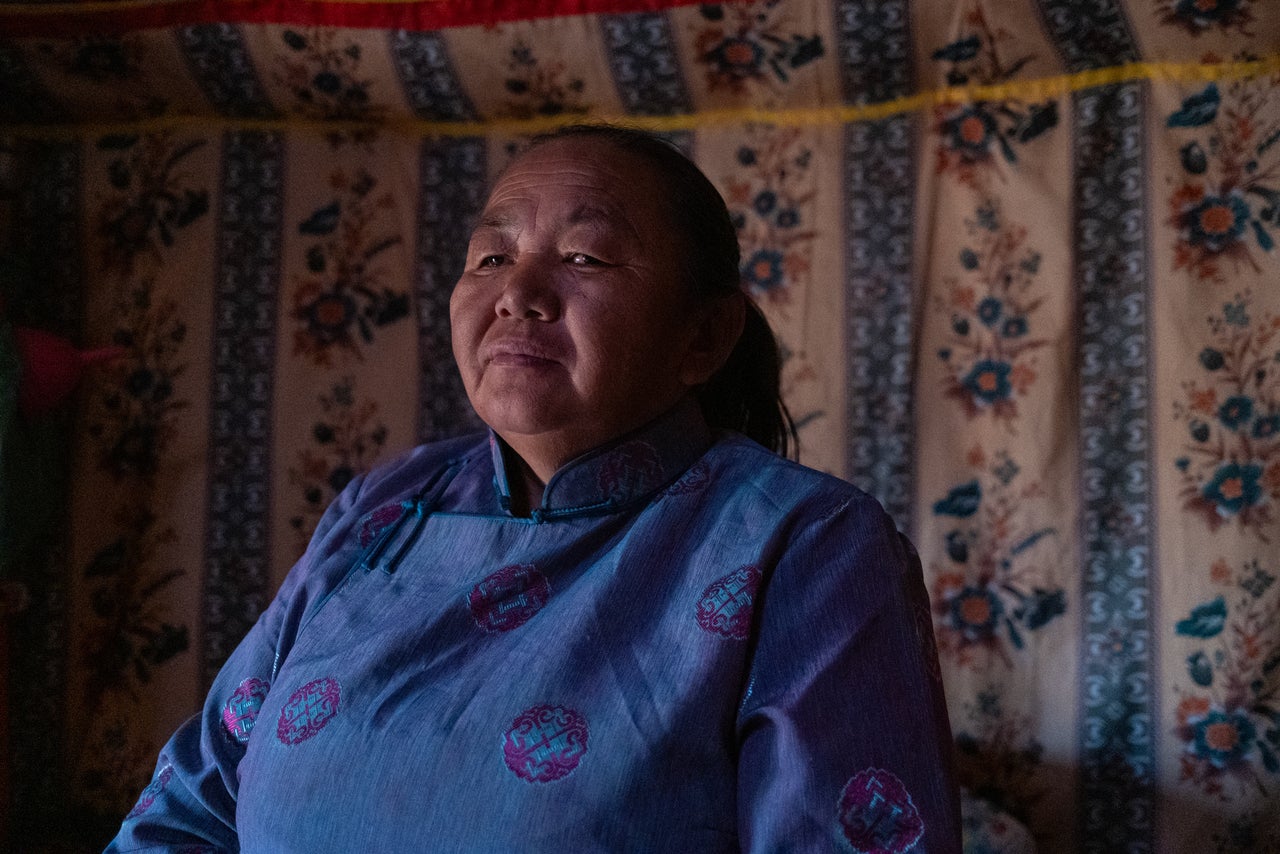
<point>719,326</point>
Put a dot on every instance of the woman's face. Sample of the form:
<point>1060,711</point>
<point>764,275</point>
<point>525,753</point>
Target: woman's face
<point>571,323</point>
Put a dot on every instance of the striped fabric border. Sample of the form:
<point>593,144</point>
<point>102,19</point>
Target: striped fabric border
<point>876,61</point>
<point>1117,706</point>
<point>428,78</point>
<point>454,178</point>
<point>237,553</point>
<point>646,70</point>
<point>223,68</point>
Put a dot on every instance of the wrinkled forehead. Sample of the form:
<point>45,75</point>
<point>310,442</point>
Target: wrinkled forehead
<point>582,180</point>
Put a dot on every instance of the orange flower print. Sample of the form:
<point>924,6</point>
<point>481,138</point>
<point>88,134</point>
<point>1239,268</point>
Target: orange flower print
<point>1220,572</point>
<point>1271,478</point>
<point>1192,707</point>
<point>1204,400</point>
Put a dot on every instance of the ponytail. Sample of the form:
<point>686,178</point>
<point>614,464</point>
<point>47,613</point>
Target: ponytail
<point>746,394</point>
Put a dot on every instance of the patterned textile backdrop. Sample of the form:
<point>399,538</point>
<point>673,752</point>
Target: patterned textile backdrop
<point>1021,255</point>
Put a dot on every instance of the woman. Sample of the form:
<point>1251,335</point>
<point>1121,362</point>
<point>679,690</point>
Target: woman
<point>616,623</point>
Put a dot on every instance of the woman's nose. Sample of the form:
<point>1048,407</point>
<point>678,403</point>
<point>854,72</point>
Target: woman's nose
<point>529,293</point>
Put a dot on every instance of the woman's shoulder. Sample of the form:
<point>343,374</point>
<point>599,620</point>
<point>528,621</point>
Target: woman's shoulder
<point>408,472</point>
<point>377,498</point>
<point>747,471</point>
<point>751,462</point>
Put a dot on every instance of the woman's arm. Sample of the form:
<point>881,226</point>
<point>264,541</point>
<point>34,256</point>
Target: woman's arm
<point>190,804</point>
<point>844,740</point>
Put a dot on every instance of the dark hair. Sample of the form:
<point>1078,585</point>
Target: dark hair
<point>745,394</point>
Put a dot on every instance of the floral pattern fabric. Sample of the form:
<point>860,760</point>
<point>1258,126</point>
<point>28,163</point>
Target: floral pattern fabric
<point>1025,287</point>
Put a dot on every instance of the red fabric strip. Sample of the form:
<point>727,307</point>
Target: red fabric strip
<point>428,15</point>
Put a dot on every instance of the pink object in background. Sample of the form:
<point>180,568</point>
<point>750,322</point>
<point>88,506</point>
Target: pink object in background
<point>51,367</point>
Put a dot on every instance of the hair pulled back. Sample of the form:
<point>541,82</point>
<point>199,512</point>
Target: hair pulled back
<point>745,394</point>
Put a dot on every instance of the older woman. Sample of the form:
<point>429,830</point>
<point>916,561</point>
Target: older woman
<point>615,623</point>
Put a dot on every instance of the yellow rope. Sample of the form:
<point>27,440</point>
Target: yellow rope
<point>1042,88</point>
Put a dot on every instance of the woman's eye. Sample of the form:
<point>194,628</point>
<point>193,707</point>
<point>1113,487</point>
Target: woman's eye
<point>582,258</point>
<point>490,261</point>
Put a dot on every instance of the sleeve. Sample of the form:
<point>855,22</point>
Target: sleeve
<point>190,803</point>
<point>844,743</point>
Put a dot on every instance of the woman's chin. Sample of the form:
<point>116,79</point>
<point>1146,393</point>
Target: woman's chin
<point>521,415</point>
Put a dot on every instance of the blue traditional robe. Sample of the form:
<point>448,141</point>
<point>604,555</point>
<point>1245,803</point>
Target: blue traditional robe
<point>692,645</point>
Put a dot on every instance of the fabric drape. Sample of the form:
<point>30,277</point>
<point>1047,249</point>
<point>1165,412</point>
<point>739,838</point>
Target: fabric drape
<point>1021,257</point>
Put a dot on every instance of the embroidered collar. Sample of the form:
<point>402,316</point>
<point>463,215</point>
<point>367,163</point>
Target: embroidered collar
<point>629,468</point>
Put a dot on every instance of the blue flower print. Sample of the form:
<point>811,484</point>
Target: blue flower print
<point>975,612</point>
<point>329,316</point>
<point>327,82</point>
<point>765,202</point>
<point>1236,314</point>
<point>1235,412</point>
<point>989,311</point>
<point>989,381</point>
<point>968,259</point>
<point>987,217</point>
<point>1234,487</point>
<point>1015,327</point>
<point>788,218</point>
<point>1212,359</point>
<point>1206,620</point>
<point>1217,222</point>
<point>1222,737</point>
<point>764,269</point>
<point>971,131</point>
<point>736,57</point>
<point>747,156</point>
<point>962,501</point>
<point>1268,427</point>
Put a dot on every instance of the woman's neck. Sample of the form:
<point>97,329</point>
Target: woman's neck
<point>524,487</point>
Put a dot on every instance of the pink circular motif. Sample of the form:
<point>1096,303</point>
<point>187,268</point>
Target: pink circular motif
<point>694,480</point>
<point>877,814</point>
<point>509,597</point>
<point>241,710</point>
<point>151,792</point>
<point>630,468</point>
<point>308,710</point>
<point>725,606</point>
<point>377,520</point>
<point>545,743</point>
